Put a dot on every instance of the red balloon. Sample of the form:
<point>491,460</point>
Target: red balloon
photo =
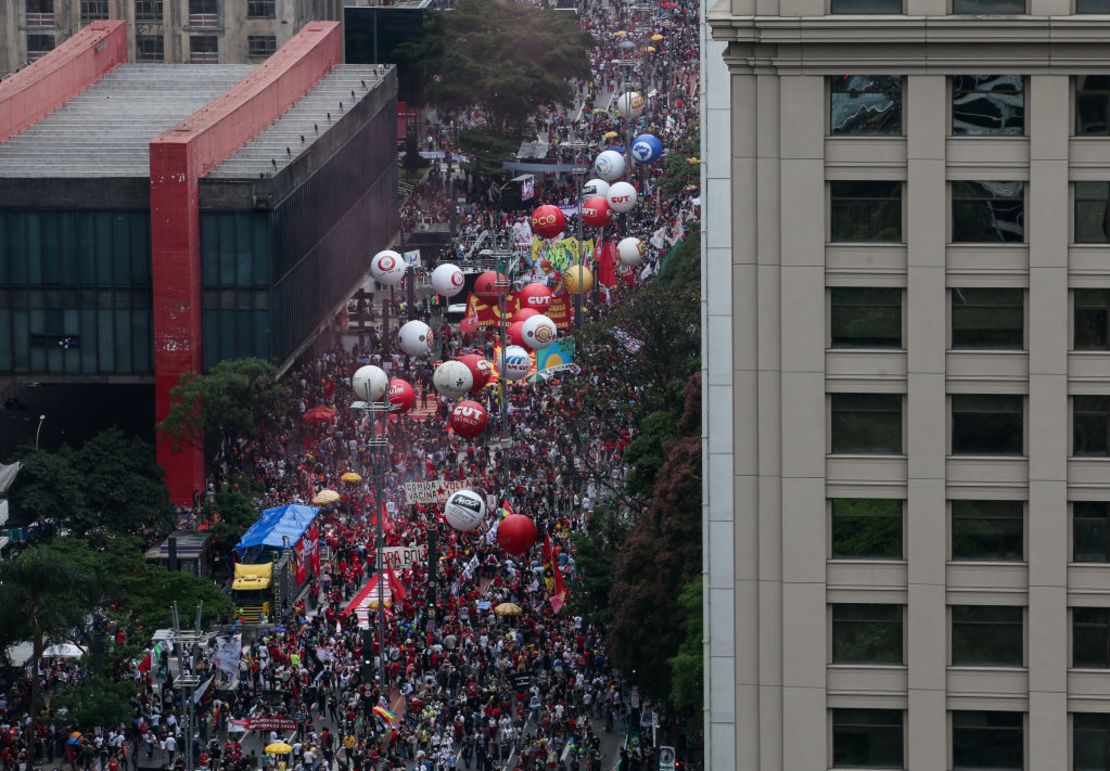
<point>469,419</point>
<point>524,314</point>
<point>516,534</point>
<point>468,325</point>
<point>548,221</point>
<point>515,333</point>
<point>401,395</point>
<point>479,370</point>
<point>486,286</point>
<point>535,296</point>
<point>596,212</point>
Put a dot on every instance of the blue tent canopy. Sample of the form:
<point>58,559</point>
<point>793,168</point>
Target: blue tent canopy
<point>278,527</point>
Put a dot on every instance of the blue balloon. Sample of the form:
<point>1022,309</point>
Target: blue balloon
<point>646,148</point>
<point>616,149</point>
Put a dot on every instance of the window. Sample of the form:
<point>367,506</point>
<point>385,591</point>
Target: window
<point>1092,105</point>
<point>867,634</point>
<point>987,212</point>
<point>1090,636</point>
<point>866,6</point>
<point>988,740</point>
<point>204,49</point>
<point>866,211</point>
<point>261,9</point>
<point>1091,426</point>
<point>1090,732</point>
<point>150,48</point>
<point>866,317</point>
<point>987,425</point>
<point>37,45</point>
<point>1090,525</point>
<point>261,46</point>
<point>866,528</point>
<point>40,6</point>
<point>91,10</point>
<point>865,104</point>
<point>987,636</point>
<point>149,11</point>
<point>988,530</point>
<point>868,738</point>
<point>201,7</point>
<point>988,6</point>
<point>866,424</point>
<point>1092,6</point>
<point>988,105</point>
<point>1092,319</point>
<point>988,318</point>
<point>1092,214</point>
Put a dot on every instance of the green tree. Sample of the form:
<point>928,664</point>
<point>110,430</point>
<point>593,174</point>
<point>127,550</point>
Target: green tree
<point>235,396</point>
<point>682,168</point>
<point>232,513</point>
<point>98,701</point>
<point>686,664</point>
<point>595,552</point>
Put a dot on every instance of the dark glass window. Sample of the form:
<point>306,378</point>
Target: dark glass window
<point>988,318</point>
<point>1090,634</point>
<point>150,48</point>
<point>867,634</point>
<point>865,104</point>
<point>867,424</point>
<point>866,6</point>
<point>988,530</point>
<point>1092,6</point>
<point>1090,733</point>
<point>198,7</point>
<point>868,738</point>
<point>987,635</point>
<point>988,6</point>
<point>149,11</point>
<point>261,9</point>
<point>988,212</point>
<point>1092,105</point>
<point>866,317</point>
<point>866,211</point>
<point>91,10</point>
<point>40,6</point>
<point>37,45</point>
<point>1091,426</point>
<point>987,425</point>
<point>1092,319</point>
<point>204,49</point>
<point>866,528</point>
<point>988,105</point>
<point>1092,213</point>
<point>261,45</point>
<point>1090,531</point>
<point>988,740</point>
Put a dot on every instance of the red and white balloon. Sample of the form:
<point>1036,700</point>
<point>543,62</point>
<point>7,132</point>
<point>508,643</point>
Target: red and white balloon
<point>469,419</point>
<point>524,314</point>
<point>548,221</point>
<point>536,296</point>
<point>416,338</point>
<point>538,332</point>
<point>622,197</point>
<point>515,363</point>
<point>596,212</point>
<point>515,332</point>
<point>452,379</point>
<point>486,287</point>
<point>401,395</point>
<point>479,370</point>
<point>630,251</point>
<point>448,280</point>
<point>388,267</point>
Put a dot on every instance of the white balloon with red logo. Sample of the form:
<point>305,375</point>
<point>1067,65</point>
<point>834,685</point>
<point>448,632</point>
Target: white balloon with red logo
<point>538,332</point>
<point>401,395</point>
<point>516,363</point>
<point>469,419</point>
<point>465,510</point>
<point>622,197</point>
<point>453,379</point>
<point>416,338</point>
<point>630,251</point>
<point>370,383</point>
<point>388,267</point>
<point>448,280</point>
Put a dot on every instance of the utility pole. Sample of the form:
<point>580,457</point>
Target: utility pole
<point>187,679</point>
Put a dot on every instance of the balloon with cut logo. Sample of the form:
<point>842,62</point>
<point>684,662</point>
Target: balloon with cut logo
<point>538,332</point>
<point>401,395</point>
<point>536,296</point>
<point>479,370</point>
<point>486,287</point>
<point>370,383</point>
<point>469,419</point>
<point>516,533</point>
<point>464,510</point>
<point>416,338</point>
<point>448,280</point>
<point>622,197</point>
<point>388,267</point>
<point>631,251</point>
<point>596,211</point>
<point>548,221</point>
<point>452,379</point>
<point>515,363</point>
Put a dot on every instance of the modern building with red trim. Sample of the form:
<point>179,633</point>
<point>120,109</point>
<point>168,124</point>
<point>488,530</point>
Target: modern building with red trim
<point>157,219</point>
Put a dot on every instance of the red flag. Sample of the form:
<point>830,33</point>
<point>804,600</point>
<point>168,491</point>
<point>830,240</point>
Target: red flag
<point>395,587</point>
<point>299,559</point>
<point>606,264</point>
<point>557,593</point>
<point>387,521</point>
<point>313,550</point>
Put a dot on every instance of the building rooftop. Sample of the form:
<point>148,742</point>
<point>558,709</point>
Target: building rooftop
<point>106,130</point>
<point>295,131</point>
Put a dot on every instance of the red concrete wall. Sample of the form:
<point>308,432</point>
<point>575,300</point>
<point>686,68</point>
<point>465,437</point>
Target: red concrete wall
<point>178,159</point>
<point>45,85</point>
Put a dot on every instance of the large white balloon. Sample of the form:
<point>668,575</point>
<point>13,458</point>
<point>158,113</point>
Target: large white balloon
<point>538,331</point>
<point>416,338</point>
<point>370,383</point>
<point>631,251</point>
<point>388,267</point>
<point>453,379</point>
<point>448,279</point>
<point>622,197</point>
<point>464,510</point>
<point>596,187</point>
<point>609,165</point>
<point>515,363</point>
<point>630,104</point>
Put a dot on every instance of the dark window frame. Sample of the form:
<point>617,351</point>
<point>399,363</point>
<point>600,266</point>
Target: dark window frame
<point>1092,6</point>
<point>887,121</point>
<point>850,726</point>
<point>876,300</point>
<point>976,209</point>
<point>1091,105</point>
<point>93,10</point>
<point>261,46</point>
<point>968,90</point>
<point>852,209</point>
<point>1090,426</point>
<point>851,517</point>
<point>963,412</point>
<point>970,7</point>
<point>880,404</point>
<point>261,9</point>
<point>852,7</point>
<point>41,37</point>
<point>1091,319</point>
<point>973,625</point>
<point>993,727</point>
<point>1090,638</point>
<point>1089,224</point>
<point>971,303</point>
<point>1090,525</point>
<point>156,53</point>
<point>39,6</point>
<point>970,522</point>
<point>855,626</point>
<point>149,11</point>
<point>1090,731</point>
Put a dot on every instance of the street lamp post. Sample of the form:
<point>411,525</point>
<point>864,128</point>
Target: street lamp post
<point>38,430</point>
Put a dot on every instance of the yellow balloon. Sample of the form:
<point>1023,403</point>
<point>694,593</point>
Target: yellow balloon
<point>656,37</point>
<point>578,279</point>
<point>650,49</point>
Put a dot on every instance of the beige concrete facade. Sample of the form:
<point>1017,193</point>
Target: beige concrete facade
<point>768,267</point>
<point>228,31</point>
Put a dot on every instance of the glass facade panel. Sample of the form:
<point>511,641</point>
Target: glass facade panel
<point>988,318</point>
<point>1092,6</point>
<point>868,738</point>
<point>1091,426</point>
<point>988,212</point>
<point>867,634</point>
<point>987,636</point>
<point>866,424</point>
<point>865,212</point>
<point>987,425</point>
<point>865,105</point>
<point>866,317</point>
<point>988,105</point>
<point>1092,214</point>
<point>988,6</point>
<point>1092,319</point>
<point>1090,741</point>
<point>235,248</point>
<point>988,740</point>
<point>1092,105</point>
<point>1090,531</point>
<point>866,528</point>
<point>1090,634</point>
<point>988,530</point>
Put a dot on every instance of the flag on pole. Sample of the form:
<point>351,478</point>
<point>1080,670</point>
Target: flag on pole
<point>557,593</point>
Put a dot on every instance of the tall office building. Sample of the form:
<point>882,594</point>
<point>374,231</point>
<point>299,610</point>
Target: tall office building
<point>908,386</point>
<point>175,31</point>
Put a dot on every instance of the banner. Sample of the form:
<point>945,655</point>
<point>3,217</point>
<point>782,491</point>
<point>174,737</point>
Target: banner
<point>229,649</point>
<point>436,491</point>
<point>412,258</point>
<point>633,344</point>
<point>557,354</point>
<point>487,314</point>
<point>404,557</point>
<point>266,723</point>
